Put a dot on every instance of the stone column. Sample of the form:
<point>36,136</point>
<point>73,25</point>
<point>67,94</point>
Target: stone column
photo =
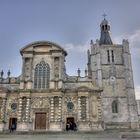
<point>3,114</point>
<point>31,68</point>
<point>99,109</point>
<point>20,110</point>
<point>52,109</point>
<point>79,109</point>
<point>87,109</point>
<point>60,109</point>
<point>28,110</point>
<point>29,83</point>
<point>55,119</point>
<point>23,70</point>
<point>23,74</point>
<point>60,67</point>
<point>83,114</point>
<point>3,111</point>
<point>100,121</point>
<point>23,114</point>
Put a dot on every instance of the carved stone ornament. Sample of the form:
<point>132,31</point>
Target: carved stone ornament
<point>40,103</point>
<point>70,106</point>
<point>14,106</point>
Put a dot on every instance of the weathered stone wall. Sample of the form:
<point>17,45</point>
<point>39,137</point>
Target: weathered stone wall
<point>111,70</point>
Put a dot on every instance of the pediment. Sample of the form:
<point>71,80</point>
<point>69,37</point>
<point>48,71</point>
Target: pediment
<point>42,47</point>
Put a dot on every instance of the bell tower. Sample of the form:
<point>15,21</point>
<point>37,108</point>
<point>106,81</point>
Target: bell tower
<point>105,38</point>
<point>110,68</point>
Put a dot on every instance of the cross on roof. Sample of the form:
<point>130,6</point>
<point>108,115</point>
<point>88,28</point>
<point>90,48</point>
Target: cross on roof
<point>104,15</point>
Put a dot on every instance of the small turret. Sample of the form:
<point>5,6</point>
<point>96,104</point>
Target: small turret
<point>78,72</point>
<point>8,73</point>
<point>105,38</point>
<point>1,74</point>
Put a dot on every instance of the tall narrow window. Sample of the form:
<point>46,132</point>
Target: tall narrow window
<point>112,53</point>
<point>41,75</point>
<point>108,56</point>
<point>105,27</point>
<point>114,107</point>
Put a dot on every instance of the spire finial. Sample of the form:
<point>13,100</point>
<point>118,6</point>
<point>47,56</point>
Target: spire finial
<point>8,73</point>
<point>1,74</point>
<point>78,71</point>
<point>104,15</point>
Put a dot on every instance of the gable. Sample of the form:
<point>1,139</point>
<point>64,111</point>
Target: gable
<point>42,47</point>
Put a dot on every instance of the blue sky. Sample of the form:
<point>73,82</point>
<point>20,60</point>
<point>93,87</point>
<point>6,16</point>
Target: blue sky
<point>69,23</point>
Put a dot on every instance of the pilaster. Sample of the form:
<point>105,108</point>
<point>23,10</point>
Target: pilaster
<point>132,106</point>
<point>79,108</point>
<point>23,114</point>
<point>20,110</point>
<point>55,115</point>
<point>98,61</point>
<point>51,109</point>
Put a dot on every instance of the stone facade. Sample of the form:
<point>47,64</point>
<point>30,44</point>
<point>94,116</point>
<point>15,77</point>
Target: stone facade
<point>45,98</point>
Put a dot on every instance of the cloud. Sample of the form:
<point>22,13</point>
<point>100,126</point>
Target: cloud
<point>137,92</point>
<point>77,57</point>
<point>118,39</point>
<point>135,39</point>
<point>80,48</point>
<point>80,51</point>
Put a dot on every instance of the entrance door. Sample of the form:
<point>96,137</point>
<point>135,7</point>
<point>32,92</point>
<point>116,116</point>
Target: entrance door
<point>40,121</point>
<point>71,125</point>
<point>70,119</point>
<point>12,123</point>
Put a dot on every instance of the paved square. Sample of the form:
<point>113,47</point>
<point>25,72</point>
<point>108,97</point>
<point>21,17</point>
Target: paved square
<point>59,137</point>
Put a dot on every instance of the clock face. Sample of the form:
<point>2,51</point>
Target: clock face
<point>14,106</point>
<point>70,106</point>
<point>112,78</point>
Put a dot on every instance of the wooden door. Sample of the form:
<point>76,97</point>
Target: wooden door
<point>40,121</point>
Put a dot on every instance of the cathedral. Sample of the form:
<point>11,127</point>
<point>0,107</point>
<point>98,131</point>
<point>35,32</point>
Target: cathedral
<point>45,98</point>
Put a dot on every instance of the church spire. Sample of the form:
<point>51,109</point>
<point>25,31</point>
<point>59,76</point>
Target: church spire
<point>105,38</point>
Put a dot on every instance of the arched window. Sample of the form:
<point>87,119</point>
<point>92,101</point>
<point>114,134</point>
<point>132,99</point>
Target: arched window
<point>105,27</point>
<point>41,75</point>
<point>114,107</point>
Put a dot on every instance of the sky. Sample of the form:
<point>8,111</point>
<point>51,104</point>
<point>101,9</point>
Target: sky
<point>69,23</point>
